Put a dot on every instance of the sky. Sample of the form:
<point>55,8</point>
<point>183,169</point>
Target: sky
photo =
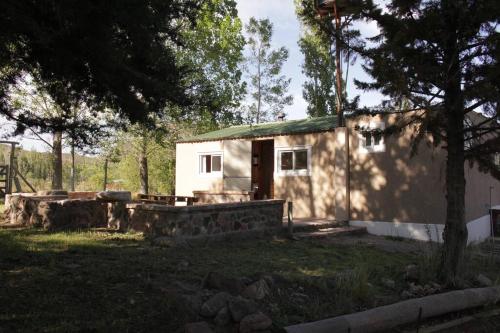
<point>287,30</point>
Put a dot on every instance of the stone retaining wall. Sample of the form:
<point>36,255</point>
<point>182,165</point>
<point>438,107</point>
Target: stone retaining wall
<point>206,197</point>
<point>55,212</point>
<point>205,220</point>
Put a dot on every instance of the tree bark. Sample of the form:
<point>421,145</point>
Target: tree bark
<point>105,180</point>
<point>57,183</point>
<point>259,92</point>
<point>72,181</point>
<point>455,231</point>
<point>143,168</point>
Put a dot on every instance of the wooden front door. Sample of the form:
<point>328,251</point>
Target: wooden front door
<point>263,169</point>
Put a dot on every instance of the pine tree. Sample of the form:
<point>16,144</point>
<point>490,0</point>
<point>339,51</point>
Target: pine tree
<point>442,57</point>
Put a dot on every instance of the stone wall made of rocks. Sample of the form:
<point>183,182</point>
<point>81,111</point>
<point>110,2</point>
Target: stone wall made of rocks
<point>205,220</point>
<point>55,212</point>
<point>206,197</point>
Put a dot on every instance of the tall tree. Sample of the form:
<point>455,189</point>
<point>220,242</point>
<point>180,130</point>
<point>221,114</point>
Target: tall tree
<point>30,99</point>
<point>322,55</point>
<point>214,54</point>
<point>268,86</point>
<point>319,69</point>
<point>442,57</point>
<point>115,54</point>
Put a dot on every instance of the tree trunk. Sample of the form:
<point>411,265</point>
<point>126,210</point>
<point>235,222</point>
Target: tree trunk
<point>455,231</point>
<point>143,168</point>
<point>105,180</point>
<point>57,183</point>
<point>72,181</point>
<point>259,87</point>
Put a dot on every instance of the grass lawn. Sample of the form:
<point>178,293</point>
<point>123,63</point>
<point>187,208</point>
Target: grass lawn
<point>98,281</point>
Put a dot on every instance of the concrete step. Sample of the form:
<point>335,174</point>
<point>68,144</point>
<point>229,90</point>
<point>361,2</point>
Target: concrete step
<point>330,232</point>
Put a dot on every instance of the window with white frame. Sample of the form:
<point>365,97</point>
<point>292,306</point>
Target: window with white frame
<point>293,161</point>
<point>371,137</point>
<point>210,164</point>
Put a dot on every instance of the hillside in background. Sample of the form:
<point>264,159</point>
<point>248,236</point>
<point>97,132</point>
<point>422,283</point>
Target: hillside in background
<point>89,170</point>
<point>37,168</point>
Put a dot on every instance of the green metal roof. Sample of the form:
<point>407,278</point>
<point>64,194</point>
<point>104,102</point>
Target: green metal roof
<point>310,125</point>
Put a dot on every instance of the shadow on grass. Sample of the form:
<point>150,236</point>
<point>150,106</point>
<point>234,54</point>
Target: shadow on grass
<point>104,281</point>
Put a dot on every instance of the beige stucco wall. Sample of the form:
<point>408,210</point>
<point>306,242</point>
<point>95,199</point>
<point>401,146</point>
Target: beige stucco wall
<point>315,195</point>
<point>388,186</point>
<point>392,185</point>
<point>395,186</point>
<point>187,178</point>
<point>477,192</point>
<point>236,167</point>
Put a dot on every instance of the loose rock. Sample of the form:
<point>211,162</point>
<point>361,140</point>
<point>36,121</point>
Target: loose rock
<point>255,322</point>
<point>211,307</point>
<point>223,317</point>
<point>193,303</point>
<point>240,307</point>
<point>389,283</point>
<point>483,281</point>
<point>257,290</point>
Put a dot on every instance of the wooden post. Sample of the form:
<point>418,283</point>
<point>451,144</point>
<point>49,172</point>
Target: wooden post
<point>290,218</point>
<point>11,167</point>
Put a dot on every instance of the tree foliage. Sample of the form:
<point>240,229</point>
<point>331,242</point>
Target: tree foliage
<point>214,54</point>
<point>113,54</point>
<point>319,69</point>
<point>318,44</point>
<point>441,57</point>
<point>268,86</point>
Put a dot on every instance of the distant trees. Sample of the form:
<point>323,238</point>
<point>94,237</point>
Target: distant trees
<point>268,87</point>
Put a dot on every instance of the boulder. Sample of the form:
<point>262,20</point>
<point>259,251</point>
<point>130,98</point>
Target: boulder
<point>213,305</point>
<point>388,283</point>
<point>199,327</point>
<point>193,303</point>
<point>257,290</point>
<point>240,307</point>
<point>113,196</point>
<point>255,322</point>
<point>483,281</point>
<point>223,317</point>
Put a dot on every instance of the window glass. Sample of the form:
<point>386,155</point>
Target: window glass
<point>210,163</point>
<point>286,160</point>
<point>368,139</point>
<point>301,159</point>
<point>376,138</point>
<point>216,163</point>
